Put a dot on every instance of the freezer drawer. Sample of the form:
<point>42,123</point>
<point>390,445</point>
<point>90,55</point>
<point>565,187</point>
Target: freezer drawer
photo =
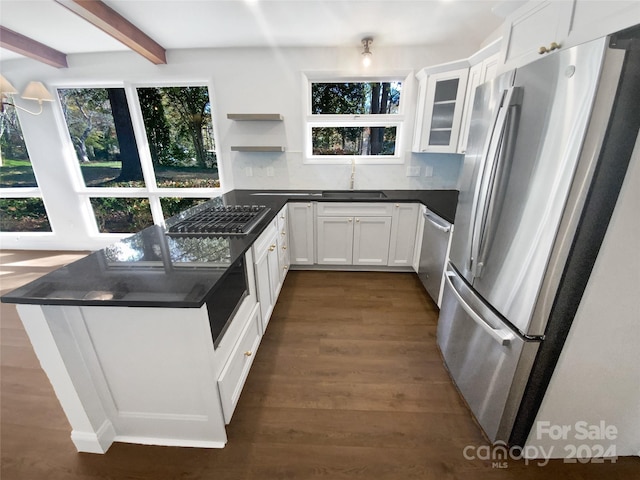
<point>433,253</point>
<point>487,360</point>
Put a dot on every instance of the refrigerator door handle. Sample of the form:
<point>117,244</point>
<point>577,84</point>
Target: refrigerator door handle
<point>499,137</point>
<point>433,221</point>
<point>501,335</point>
<point>496,179</point>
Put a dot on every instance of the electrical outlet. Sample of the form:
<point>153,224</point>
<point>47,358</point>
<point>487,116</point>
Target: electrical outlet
<point>413,171</point>
<point>270,172</point>
<point>428,171</point>
<point>248,171</point>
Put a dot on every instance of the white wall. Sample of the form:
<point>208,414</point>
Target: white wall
<point>598,374</point>
<point>242,80</point>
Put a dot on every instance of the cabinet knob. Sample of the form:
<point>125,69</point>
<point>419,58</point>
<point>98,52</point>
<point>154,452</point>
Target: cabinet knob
<point>272,248</point>
<point>397,205</point>
<point>285,268</point>
<point>357,220</point>
<point>282,216</point>
<point>248,353</point>
<point>552,46</point>
<point>284,247</point>
<point>283,233</point>
<point>308,205</point>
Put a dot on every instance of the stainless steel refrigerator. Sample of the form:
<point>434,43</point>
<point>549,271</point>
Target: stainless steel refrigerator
<point>548,149</point>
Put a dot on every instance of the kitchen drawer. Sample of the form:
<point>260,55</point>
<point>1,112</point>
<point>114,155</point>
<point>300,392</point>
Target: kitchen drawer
<point>236,370</point>
<point>265,239</point>
<point>281,219</point>
<point>364,209</point>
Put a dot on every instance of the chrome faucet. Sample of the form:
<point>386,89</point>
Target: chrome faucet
<point>353,173</point>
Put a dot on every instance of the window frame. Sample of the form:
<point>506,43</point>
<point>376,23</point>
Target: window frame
<point>16,193</point>
<point>397,120</point>
<point>150,191</point>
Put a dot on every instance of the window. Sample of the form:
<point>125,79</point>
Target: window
<point>179,130</point>
<point>102,134</point>
<point>354,119</point>
<point>21,205</point>
<point>132,182</point>
<point>23,215</point>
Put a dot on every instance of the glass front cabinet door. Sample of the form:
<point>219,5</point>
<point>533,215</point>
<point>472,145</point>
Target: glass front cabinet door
<point>439,113</point>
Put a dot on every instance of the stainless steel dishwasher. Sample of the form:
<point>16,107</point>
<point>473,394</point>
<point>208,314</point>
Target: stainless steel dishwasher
<point>433,254</point>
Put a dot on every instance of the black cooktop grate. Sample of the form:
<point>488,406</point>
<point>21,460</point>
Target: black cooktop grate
<point>227,220</point>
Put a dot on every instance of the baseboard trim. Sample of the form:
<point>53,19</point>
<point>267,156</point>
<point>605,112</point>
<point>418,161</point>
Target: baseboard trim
<point>169,442</point>
<point>98,442</point>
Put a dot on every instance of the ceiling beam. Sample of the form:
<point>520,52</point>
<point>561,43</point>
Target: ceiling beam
<point>28,47</point>
<point>111,22</point>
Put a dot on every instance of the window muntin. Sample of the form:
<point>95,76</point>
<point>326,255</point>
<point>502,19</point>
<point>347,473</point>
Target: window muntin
<point>99,124</point>
<point>23,215</point>
<point>179,132</point>
<point>354,119</point>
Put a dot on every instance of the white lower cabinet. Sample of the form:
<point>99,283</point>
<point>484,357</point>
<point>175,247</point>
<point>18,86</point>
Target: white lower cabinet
<point>403,234</point>
<point>371,240</point>
<point>235,372</point>
<point>353,233</point>
<point>267,271</point>
<point>284,259</point>
<point>335,240</point>
<point>301,243</point>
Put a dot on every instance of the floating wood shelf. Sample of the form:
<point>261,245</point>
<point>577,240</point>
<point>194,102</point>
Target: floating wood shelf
<point>257,148</point>
<point>260,117</point>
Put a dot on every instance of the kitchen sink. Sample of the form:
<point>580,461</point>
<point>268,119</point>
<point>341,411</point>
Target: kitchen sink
<point>349,194</point>
<point>286,194</point>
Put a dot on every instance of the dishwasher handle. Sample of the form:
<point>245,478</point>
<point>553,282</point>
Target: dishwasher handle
<point>502,336</point>
<point>436,222</point>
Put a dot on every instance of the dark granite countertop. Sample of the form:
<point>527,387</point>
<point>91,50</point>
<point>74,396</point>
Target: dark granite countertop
<point>153,269</point>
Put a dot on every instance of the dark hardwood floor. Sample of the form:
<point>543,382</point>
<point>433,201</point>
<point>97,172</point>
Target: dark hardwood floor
<point>347,384</point>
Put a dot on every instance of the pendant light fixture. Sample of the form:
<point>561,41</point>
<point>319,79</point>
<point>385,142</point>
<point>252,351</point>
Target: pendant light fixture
<point>366,53</point>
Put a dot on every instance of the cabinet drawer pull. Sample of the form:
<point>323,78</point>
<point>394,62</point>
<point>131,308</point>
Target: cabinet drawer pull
<point>248,353</point>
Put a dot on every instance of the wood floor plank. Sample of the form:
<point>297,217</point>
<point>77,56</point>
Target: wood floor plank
<point>347,384</point>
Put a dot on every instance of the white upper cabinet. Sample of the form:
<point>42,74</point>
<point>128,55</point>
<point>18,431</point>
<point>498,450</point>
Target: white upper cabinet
<point>440,106</point>
<point>535,29</point>
<point>539,28</point>
<point>484,66</point>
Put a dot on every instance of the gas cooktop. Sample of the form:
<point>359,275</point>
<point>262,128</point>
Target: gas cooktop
<point>220,221</point>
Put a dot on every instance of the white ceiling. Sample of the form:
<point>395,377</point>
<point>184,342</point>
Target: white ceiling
<point>177,24</point>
